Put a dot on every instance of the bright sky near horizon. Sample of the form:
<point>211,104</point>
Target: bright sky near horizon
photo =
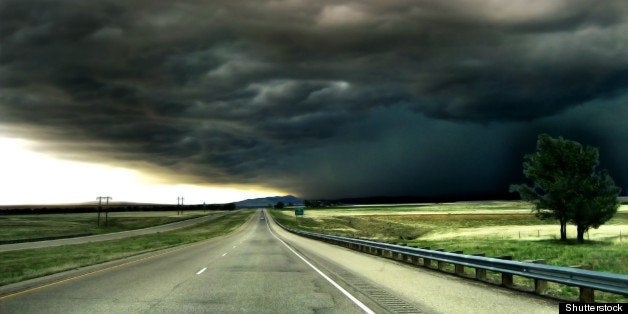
<point>30,177</point>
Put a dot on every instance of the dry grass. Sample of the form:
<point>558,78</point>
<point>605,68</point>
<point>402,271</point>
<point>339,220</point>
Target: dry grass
<point>21,228</point>
<point>498,228</point>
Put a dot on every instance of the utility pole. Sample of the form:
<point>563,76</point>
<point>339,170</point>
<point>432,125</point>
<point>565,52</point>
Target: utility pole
<point>179,205</point>
<point>106,198</point>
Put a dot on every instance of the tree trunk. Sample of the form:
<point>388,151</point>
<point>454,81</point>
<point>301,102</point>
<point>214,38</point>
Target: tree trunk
<point>581,231</point>
<point>563,230</point>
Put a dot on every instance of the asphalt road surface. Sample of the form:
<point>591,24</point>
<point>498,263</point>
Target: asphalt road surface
<point>246,271</point>
<point>258,270</point>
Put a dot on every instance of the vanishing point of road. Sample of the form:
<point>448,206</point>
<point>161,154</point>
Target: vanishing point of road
<point>262,269</point>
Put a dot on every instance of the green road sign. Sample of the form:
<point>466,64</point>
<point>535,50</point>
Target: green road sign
<point>298,211</point>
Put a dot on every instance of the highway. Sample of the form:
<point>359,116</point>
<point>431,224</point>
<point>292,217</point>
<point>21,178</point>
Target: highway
<point>258,270</point>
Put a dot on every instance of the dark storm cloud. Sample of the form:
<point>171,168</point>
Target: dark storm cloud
<point>324,98</point>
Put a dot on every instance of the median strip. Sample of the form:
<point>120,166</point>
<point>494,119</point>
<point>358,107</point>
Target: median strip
<point>25,264</point>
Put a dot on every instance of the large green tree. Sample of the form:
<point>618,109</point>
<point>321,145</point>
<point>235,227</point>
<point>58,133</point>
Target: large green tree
<point>567,185</point>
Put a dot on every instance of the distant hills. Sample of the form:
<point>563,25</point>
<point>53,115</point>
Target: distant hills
<point>272,200</point>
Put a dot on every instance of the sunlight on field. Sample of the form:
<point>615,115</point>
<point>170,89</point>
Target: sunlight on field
<point>475,220</point>
<point>532,232</point>
<point>484,207</point>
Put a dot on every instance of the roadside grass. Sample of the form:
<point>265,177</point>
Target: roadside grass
<point>21,265</point>
<point>24,228</point>
<point>596,255</point>
<point>608,253</point>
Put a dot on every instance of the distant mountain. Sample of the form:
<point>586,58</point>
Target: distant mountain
<point>272,200</point>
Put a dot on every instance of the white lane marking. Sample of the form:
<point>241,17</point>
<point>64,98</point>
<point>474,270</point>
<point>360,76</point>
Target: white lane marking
<point>201,271</point>
<point>225,254</point>
<point>235,246</point>
<point>357,302</point>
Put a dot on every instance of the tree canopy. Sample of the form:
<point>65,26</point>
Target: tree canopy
<point>567,185</point>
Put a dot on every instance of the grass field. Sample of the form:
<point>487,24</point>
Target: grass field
<point>492,228</point>
<point>25,264</point>
<point>22,228</point>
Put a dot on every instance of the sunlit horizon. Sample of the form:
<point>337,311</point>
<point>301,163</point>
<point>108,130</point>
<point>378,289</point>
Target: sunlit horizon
<point>35,178</point>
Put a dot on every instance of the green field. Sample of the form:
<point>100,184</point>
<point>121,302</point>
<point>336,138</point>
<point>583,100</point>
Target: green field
<point>26,264</point>
<point>22,228</point>
<point>492,228</point>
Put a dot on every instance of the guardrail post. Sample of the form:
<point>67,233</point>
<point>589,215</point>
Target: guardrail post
<point>396,255</point>
<point>458,269</point>
<point>402,256</point>
<point>506,278</point>
<point>440,264</point>
<point>480,274</point>
<point>540,286</point>
<point>414,260</point>
<point>587,295</point>
<point>426,261</point>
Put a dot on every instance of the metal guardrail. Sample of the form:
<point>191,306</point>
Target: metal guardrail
<point>586,280</point>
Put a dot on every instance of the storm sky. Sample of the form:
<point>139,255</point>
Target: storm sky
<point>322,99</point>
